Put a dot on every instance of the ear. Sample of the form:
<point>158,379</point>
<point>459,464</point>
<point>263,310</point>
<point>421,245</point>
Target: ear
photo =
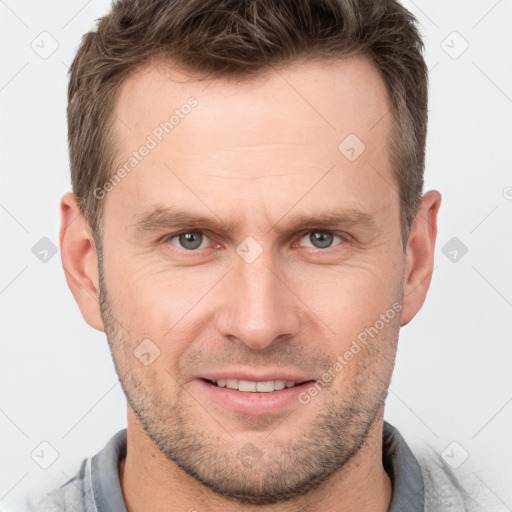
<point>79,260</point>
<point>419,258</point>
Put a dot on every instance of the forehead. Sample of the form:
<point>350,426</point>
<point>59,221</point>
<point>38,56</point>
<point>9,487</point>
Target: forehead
<point>334,98</point>
<point>285,128</point>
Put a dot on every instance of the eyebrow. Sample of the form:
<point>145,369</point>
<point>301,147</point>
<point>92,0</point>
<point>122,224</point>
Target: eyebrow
<point>167,217</point>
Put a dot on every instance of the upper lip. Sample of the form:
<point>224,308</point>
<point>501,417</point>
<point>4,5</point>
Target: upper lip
<point>254,376</point>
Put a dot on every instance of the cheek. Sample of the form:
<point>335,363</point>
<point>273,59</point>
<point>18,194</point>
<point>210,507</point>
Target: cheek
<point>367,358</point>
<point>155,300</point>
<point>351,298</point>
<point>362,306</point>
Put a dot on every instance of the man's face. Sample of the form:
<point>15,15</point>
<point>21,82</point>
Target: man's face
<point>258,295</point>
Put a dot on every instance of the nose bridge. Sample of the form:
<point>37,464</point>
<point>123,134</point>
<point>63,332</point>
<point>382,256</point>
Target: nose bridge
<point>258,306</point>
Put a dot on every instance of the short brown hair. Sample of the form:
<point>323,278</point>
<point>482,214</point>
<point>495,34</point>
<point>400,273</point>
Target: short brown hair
<point>240,38</point>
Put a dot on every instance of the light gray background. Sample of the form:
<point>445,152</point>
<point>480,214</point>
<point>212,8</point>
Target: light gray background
<point>452,380</point>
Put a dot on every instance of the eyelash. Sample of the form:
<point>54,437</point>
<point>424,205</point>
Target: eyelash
<point>344,237</point>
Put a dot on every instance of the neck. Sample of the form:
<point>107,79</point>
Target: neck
<point>150,481</point>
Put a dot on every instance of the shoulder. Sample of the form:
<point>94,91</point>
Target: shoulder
<point>449,490</point>
<point>95,486</point>
<point>422,480</point>
<point>74,495</point>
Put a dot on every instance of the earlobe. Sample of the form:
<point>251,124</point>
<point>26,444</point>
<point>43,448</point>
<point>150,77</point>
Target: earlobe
<point>419,256</point>
<point>79,260</point>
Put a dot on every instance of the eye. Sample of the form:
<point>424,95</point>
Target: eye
<point>189,240</point>
<point>195,240</point>
<point>322,239</point>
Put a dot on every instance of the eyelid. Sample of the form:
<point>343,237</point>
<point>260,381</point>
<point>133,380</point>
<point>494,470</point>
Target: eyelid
<point>345,237</point>
<point>167,238</point>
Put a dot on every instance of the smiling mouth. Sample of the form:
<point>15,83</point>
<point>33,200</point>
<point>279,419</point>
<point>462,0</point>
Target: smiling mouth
<point>247,386</point>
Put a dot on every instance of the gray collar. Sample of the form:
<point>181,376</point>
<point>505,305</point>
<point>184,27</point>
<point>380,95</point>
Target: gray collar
<point>105,475</point>
<point>405,473</point>
<point>398,460</point>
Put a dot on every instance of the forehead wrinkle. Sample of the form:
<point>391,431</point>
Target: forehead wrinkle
<point>168,216</point>
<point>161,217</point>
<point>350,217</point>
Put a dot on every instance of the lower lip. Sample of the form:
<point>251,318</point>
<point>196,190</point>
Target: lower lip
<point>254,403</point>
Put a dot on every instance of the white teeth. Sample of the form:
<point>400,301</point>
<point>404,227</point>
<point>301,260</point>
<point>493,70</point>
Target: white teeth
<point>246,385</point>
<point>252,387</point>
<point>262,387</point>
<point>232,383</point>
<point>279,384</point>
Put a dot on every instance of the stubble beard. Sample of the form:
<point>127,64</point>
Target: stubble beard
<point>274,471</point>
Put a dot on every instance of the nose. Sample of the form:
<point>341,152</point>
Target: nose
<point>259,304</point>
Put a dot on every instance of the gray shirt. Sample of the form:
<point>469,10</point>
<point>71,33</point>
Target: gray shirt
<point>417,487</point>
